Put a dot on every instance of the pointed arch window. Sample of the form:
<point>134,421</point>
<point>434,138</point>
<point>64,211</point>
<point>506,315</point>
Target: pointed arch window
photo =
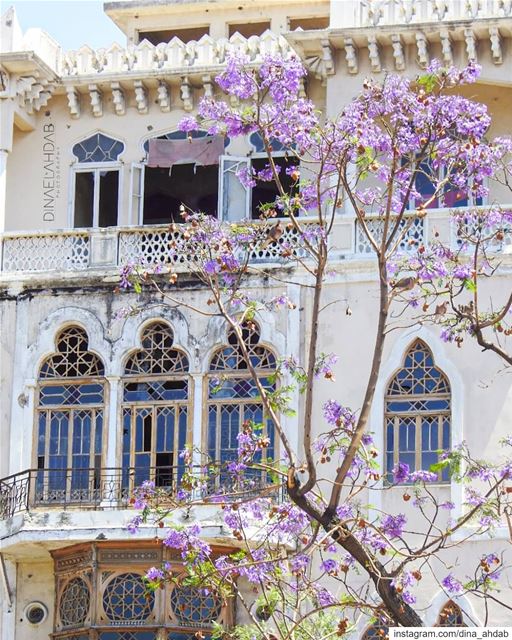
<point>70,421</point>
<point>417,413</point>
<point>233,397</point>
<point>450,616</point>
<point>96,181</point>
<point>155,409</point>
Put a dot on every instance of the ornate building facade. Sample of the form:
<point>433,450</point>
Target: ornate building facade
<point>90,404</point>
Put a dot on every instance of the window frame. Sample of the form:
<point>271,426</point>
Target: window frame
<point>95,168</point>
<point>415,415</point>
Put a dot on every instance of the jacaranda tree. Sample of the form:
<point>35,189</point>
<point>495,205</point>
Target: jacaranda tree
<point>306,540</point>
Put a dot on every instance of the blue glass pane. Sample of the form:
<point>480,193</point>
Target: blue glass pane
<point>257,142</point>
<point>446,433</point>
<point>407,436</point>
<point>41,434</point>
<point>98,434</point>
<point>390,436</point>
<point>128,635</point>
<point>192,607</point>
<point>237,388</point>
<point>155,390</point>
<point>73,394</point>
<point>428,458</point>
<point>212,431</point>
<point>126,599</point>
<point>425,184</point>
<point>98,148</point>
<point>126,430</point>
<point>408,458</point>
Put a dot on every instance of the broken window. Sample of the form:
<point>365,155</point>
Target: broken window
<point>96,182</point>
<point>158,192</point>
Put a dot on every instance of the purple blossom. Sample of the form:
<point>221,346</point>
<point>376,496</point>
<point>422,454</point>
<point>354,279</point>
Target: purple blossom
<point>452,585</point>
<point>400,472</point>
<point>154,574</point>
<point>393,526</point>
<point>423,476</point>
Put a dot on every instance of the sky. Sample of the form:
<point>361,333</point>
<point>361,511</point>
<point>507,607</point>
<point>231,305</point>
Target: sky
<point>71,22</point>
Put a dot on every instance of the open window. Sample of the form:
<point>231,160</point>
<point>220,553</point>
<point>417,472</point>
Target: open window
<point>239,200</point>
<point>426,185</point>
<point>95,186</point>
<point>178,170</point>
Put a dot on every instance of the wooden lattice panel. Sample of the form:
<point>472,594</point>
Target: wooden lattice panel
<point>157,356</point>
<point>74,602</point>
<point>72,358</point>
<point>192,607</point>
<point>125,599</point>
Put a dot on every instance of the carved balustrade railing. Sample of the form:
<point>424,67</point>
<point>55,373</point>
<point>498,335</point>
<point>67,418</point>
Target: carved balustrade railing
<point>379,13</point>
<point>113,488</point>
<point>167,57</point>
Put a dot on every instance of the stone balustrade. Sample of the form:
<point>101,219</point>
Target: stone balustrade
<point>379,13</point>
<point>168,57</point>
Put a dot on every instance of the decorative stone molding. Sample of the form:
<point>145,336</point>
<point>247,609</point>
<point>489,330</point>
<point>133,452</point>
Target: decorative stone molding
<point>141,96</point>
<point>186,94</point>
<point>118,99</point>
<point>207,86</point>
<point>96,100</point>
<point>422,46</point>
<point>495,37</point>
<point>351,56</point>
<point>470,44</point>
<point>398,52</point>
<point>374,53</point>
<point>446,46</point>
<point>163,96</point>
<point>73,102</point>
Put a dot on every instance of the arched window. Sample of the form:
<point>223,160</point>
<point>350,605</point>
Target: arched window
<point>96,181</point>
<point>155,409</point>
<point>417,413</point>
<point>70,421</point>
<point>450,616</point>
<point>233,397</point>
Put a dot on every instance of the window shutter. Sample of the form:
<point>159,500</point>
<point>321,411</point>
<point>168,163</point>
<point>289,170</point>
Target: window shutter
<point>234,198</point>
<point>137,194</point>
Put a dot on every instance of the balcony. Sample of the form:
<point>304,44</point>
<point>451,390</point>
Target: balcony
<point>91,252</point>
<point>84,250</point>
<point>112,488</point>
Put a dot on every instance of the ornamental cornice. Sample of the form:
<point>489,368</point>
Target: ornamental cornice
<point>367,44</point>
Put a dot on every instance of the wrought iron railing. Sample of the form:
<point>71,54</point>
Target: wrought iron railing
<point>113,488</point>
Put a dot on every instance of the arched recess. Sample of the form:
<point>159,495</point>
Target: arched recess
<point>70,421</point>
<point>461,604</point>
<point>155,409</point>
<point>233,400</point>
<point>391,363</point>
<point>417,413</point>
